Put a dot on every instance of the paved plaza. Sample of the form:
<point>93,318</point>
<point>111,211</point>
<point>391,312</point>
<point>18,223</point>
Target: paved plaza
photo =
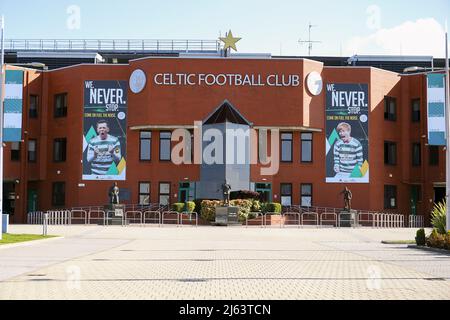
<point>94,262</point>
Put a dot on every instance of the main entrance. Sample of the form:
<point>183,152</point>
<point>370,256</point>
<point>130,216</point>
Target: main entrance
<point>186,191</point>
<point>265,190</point>
<point>439,194</point>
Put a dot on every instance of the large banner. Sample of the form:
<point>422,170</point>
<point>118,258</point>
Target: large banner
<point>347,133</point>
<point>12,123</point>
<point>436,109</point>
<point>104,130</point>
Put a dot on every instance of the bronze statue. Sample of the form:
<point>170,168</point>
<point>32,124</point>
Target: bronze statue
<point>347,199</point>
<point>226,193</point>
<point>114,193</point>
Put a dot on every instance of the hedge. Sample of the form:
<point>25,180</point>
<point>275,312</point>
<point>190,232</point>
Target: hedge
<point>181,207</point>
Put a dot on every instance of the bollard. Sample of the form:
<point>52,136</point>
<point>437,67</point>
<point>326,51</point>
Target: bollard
<point>44,224</point>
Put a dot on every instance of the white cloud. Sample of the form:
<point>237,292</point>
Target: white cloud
<point>422,37</point>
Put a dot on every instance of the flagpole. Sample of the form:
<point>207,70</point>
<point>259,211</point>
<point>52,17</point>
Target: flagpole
<point>447,112</point>
<point>2,60</point>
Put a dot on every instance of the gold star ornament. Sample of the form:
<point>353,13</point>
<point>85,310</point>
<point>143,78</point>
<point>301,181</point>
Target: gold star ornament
<point>229,41</point>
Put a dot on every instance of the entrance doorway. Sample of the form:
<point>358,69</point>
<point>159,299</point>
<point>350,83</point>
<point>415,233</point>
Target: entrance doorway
<point>414,198</point>
<point>9,198</point>
<point>186,192</point>
<point>265,191</point>
<point>439,194</point>
<point>32,201</point>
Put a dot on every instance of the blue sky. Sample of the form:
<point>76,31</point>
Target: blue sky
<point>344,27</point>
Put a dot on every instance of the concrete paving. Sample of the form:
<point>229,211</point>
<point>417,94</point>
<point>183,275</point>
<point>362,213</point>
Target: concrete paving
<point>93,262</point>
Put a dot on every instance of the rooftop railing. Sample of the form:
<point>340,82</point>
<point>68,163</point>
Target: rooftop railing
<point>113,45</point>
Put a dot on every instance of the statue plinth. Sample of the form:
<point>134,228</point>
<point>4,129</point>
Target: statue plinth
<point>115,214</point>
<point>227,216</point>
<point>348,218</point>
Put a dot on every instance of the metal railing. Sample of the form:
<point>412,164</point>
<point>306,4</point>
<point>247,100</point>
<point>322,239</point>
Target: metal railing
<point>119,45</point>
<point>148,217</point>
<point>416,221</point>
<point>170,213</point>
<point>325,217</point>
<point>161,215</point>
<point>191,216</point>
<point>296,215</point>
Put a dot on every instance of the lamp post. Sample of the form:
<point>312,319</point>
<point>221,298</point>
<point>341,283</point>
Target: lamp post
<point>447,120</point>
<point>447,115</point>
<point>2,57</point>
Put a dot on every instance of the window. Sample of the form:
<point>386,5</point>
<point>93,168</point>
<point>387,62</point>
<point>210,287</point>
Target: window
<point>164,145</point>
<point>286,147</point>
<point>15,151</point>
<point>164,193</point>
<point>60,105</point>
<point>306,147</point>
<point>32,150</point>
<point>144,193</point>
<point>415,110</point>
<point>286,194</point>
<point>306,195</point>
<point>416,157</point>
<point>59,194</point>
<point>390,197</point>
<point>145,146</point>
<point>59,149</point>
<point>390,153</point>
<point>34,103</point>
<point>390,108</point>
<point>433,155</point>
<point>416,193</point>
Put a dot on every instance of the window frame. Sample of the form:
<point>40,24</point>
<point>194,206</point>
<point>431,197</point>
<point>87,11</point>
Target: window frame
<point>285,194</point>
<point>33,113</point>
<point>55,202</point>
<point>29,159</point>
<point>306,195</point>
<point>164,194</point>
<point>63,149</point>
<point>430,157</point>
<point>386,156</point>
<point>387,193</point>
<point>170,145</point>
<point>415,119</point>
<point>311,147</point>
<point>388,115</point>
<point>56,111</point>
<point>144,194</point>
<point>15,153</point>
<point>140,145</point>
<point>291,140</point>
<point>416,162</point>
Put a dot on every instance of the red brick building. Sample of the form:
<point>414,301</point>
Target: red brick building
<point>402,166</point>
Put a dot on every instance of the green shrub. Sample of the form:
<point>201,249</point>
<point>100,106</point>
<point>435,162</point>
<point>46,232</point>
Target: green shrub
<point>208,209</point>
<point>245,207</point>
<point>256,206</point>
<point>178,207</point>
<point>439,217</point>
<point>272,207</point>
<point>420,237</point>
<point>181,207</point>
<point>190,207</point>
<point>436,240</point>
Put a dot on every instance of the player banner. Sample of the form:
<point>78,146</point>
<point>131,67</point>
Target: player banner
<point>104,130</point>
<point>347,133</point>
